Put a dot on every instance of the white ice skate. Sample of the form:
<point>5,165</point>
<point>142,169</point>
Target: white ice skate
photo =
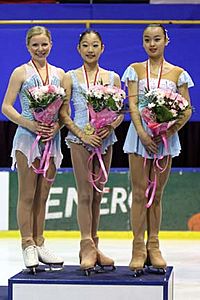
<point>47,257</point>
<point>30,256</point>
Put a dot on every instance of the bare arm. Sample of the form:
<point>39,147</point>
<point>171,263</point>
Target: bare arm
<point>120,118</point>
<point>107,130</point>
<point>14,85</point>
<point>51,131</point>
<point>65,118</point>
<point>145,138</point>
<point>182,120</point>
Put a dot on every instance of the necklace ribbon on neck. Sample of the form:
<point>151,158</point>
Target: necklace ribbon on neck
<point>86,76</point>
<point>148,71</point>
<point>46,81</point>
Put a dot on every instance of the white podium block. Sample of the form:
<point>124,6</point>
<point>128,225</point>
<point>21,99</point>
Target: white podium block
<point>71,283</point>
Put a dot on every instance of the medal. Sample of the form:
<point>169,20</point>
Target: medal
<point>89,129</point>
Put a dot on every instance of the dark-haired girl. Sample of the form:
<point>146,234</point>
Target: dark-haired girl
<point>76,81</point>
<point>142,147</point>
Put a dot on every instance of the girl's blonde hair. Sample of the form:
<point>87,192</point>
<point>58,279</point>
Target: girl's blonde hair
<point>37,30</point>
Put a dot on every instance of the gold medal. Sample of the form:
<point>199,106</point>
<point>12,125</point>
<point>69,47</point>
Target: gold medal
<point>89,129</point>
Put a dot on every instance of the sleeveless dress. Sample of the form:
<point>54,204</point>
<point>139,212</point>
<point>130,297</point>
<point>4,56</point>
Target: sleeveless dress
<point>81,114</point>
<point>24,138</point>
<point>171,80</point>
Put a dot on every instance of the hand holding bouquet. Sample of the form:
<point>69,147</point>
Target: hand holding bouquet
<point>104,106</point>
<point>45,102</point>
<point>163,109</point>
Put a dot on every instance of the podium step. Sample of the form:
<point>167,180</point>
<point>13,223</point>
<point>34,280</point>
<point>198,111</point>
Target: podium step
<point>71,283</point>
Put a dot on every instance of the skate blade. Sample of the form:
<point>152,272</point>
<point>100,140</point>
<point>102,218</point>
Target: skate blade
<point>54,267</point>
<point>30,270</point>
<point>138,273</point>
<point>104,268</point>
<point>89,271</point>
<point>155,270</point>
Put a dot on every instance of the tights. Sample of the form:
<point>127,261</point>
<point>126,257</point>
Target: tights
<point>88,211</point>
<point>33,192</point>
<point>141,216</point>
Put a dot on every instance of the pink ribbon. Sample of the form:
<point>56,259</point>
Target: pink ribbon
<point>99,120</point>
<point>44,161</point>
<point>46,116</point>
<point>93,178</point>
<point>152,185</point>
<point>157,129</point>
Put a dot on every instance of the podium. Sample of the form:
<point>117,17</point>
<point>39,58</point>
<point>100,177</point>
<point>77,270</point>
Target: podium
<point>71,283</point>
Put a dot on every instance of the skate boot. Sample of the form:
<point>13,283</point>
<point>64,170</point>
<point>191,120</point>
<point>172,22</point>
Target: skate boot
<point>102,260</point>
<point>47,257</point>
<point>139,255</point>
<point>88,256</point>
<point>155,262</point>
<point>30,257</point>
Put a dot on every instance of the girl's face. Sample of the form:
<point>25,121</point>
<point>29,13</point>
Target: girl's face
<point>90,48</point>
<point>39,47</point>
<point>154,42</point>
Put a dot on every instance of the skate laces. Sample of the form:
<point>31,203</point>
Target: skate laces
<point>30,252</point>
<point>43,251</point>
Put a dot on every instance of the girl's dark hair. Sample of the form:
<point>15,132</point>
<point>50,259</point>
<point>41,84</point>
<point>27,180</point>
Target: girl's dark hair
<point>88,31</point>
<point>161,26</point>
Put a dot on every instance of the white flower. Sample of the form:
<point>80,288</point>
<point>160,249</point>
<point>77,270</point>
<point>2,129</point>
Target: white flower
<point>98,94</point>
<point>116,97</point>
<point>150,105</point>
<point>185,103</point>
<point>174,112</point>
<point>61,92</point>
<point>160,101</point>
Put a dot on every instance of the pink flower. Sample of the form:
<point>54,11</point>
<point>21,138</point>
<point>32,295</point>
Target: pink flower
<point>100,97</point>
<point>168,93</point>
<point>51,89</point>
<point>42,96</point>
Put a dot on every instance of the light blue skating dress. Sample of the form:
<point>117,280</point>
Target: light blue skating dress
<point>24,138</point>
<point>81,115</point>
<point>132,142</point>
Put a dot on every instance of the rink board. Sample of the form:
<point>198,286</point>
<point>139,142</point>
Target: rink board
<point>71,283</point>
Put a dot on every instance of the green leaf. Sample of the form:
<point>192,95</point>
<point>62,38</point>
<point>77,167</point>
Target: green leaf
<point>163,114</point>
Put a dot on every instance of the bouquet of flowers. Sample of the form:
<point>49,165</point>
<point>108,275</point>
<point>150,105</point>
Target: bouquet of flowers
<point>163,109</point>
<point>105,97</point>
<point>104,106</point>
<point>45,102</point>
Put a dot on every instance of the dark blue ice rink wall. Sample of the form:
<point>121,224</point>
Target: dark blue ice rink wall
<point>123,43</point>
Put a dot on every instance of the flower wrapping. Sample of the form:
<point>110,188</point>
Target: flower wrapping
<point>101,118</point>
<point>47,115</point>
<point>163,109</point>
<point>45,102</point>
<point>104,105</point>
<point>155,127</point>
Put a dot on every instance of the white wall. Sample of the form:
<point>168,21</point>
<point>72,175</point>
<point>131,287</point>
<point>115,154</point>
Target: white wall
<point>4,197</point>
